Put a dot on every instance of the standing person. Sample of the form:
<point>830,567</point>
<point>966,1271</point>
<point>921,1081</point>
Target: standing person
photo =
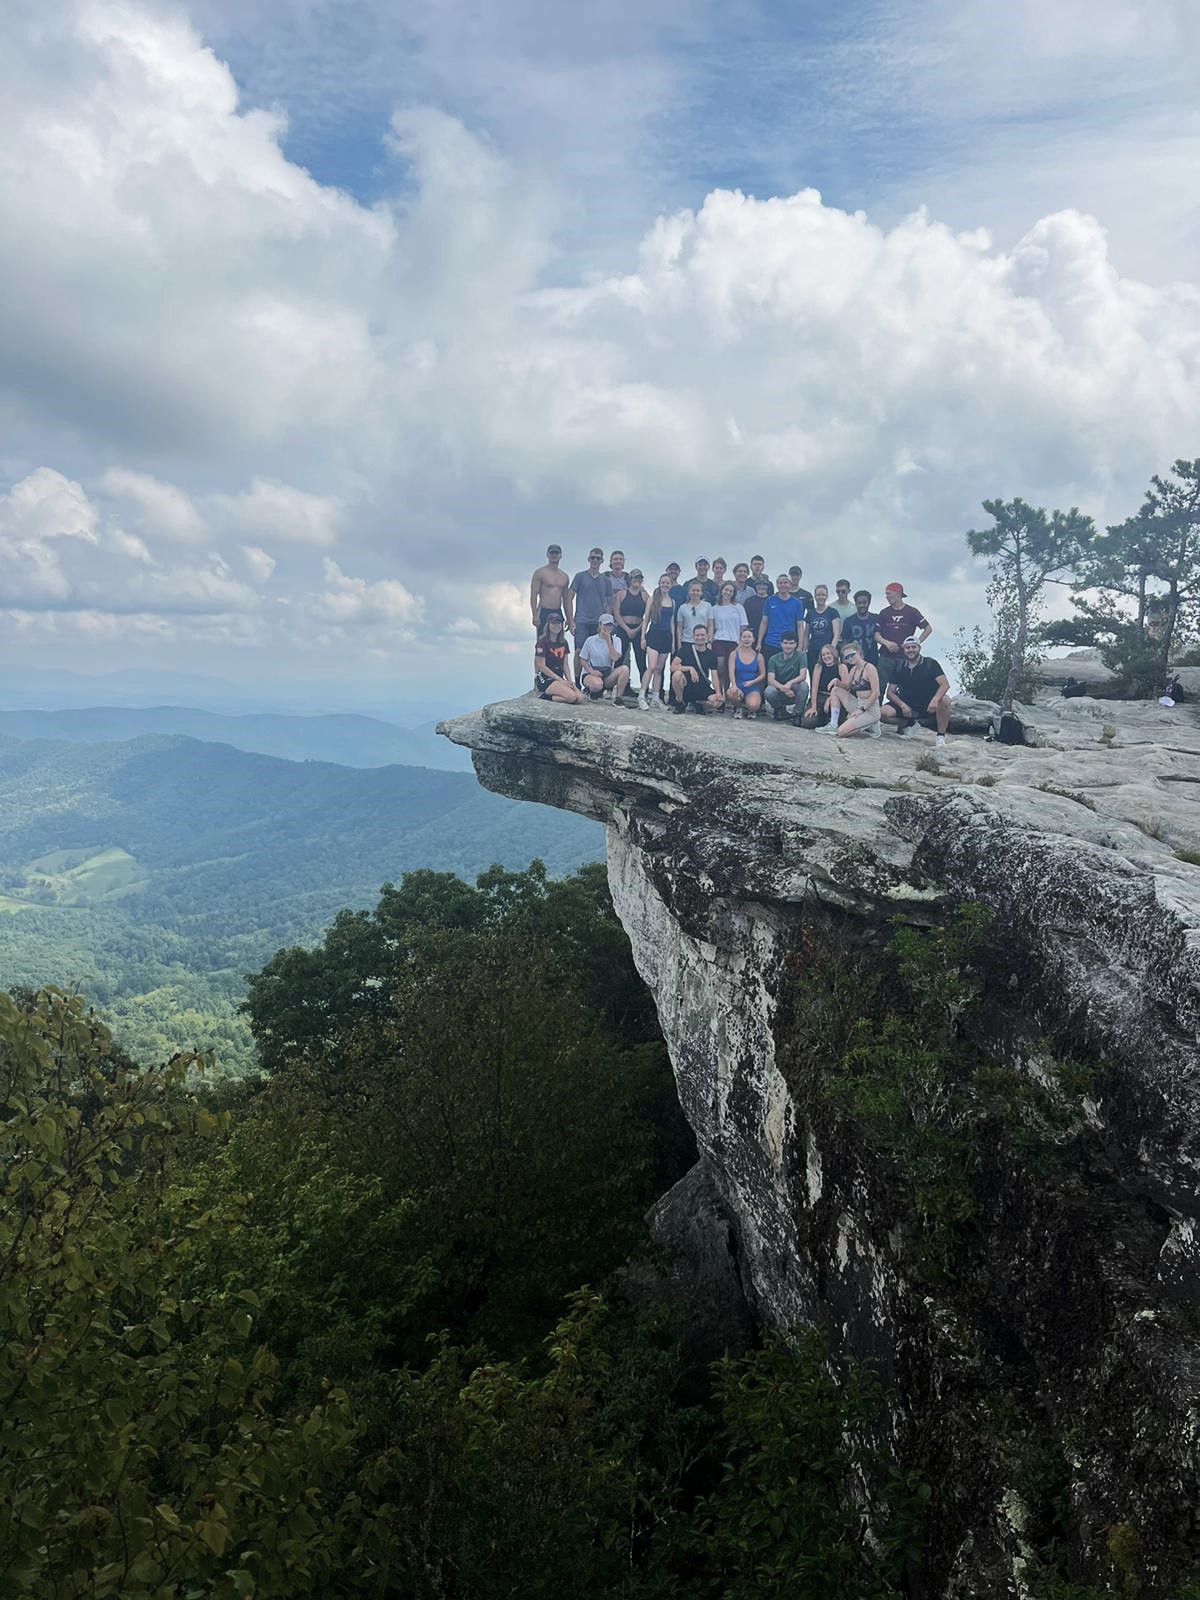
<point>602,669</point>
<point>841,597</point>
<point>550,657</point>
<point>719,569</point>
<point>743,583</point>
<point>695,609</point>
<point>787,680</point>
<point>826,676</point>
<point>782,613</point>
<point>758,570</point>
<point>859,626</point>
<point>745,675</point>
<point>824,624</point>
<point>728,620</point>
<point>616,573</point>
<point>591,592</point>
<point>896,622</point>
<point>801,593</point>
<point>679,590</point>
<point>755,601</point>
<point>856,697</point>
<point>708,589</point>
<point>631,615</point>
<point>658,634</point>
<point>694,678</point>
<point>919,691</point>
<point>549,590</point>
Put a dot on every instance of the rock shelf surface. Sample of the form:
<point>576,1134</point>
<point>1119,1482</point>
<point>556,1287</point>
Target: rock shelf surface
<point>726,840</point>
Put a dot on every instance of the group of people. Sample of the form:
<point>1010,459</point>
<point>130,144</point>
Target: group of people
<point>737,640</point>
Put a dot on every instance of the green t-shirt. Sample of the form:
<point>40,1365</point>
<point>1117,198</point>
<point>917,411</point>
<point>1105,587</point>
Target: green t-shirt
<point>785,668</point>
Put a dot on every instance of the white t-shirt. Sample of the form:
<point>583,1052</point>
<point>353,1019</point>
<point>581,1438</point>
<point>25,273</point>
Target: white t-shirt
<point>597,654</point>
<point>729,621</point>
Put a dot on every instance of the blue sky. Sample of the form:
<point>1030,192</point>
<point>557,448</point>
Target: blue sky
<point>324,322</point>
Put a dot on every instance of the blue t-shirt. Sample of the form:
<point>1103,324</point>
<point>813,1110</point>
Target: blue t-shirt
<point>782,616</point>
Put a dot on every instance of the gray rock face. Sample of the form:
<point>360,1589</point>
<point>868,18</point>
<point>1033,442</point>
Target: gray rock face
<point>723,838</point>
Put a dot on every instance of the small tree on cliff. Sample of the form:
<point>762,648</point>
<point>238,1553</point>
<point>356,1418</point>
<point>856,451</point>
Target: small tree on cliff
<point>1151,562</point>
<point>1028,548</point>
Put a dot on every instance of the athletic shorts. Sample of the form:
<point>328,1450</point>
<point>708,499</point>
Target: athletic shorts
<point>659,639</point>
<point>544,680</point>
<point>722,649</point>
<point>544,613</point>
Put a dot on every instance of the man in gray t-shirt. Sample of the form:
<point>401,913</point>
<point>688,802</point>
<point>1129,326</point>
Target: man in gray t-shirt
<point>591,593</point>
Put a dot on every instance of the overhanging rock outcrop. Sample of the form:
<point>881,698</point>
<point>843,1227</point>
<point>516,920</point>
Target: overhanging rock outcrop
<point>725,842</point>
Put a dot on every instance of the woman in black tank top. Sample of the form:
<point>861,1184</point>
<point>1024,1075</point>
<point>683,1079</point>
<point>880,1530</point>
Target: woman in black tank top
<point>631,613</point>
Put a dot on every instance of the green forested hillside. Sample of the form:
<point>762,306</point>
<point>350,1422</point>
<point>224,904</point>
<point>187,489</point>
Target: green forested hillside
<point>155,873</point>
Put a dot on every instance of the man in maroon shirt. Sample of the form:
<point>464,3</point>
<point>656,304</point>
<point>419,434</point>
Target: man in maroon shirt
<point>897,622</point>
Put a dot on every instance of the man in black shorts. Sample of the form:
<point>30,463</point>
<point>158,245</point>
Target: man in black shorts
<point>694,674</point>
<point>919,692</point>
<point>549,590</point>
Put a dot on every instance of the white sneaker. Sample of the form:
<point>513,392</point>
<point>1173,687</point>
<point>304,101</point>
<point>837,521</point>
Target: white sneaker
<point>941,739</point>
<point>643,703</point>
<point>828,727</point>
<point>737,715</point>
<point>903,733</point>
<point>876,731</point>
<point>657,703</point>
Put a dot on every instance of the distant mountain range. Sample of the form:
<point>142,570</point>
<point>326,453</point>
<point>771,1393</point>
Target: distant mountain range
<point>60,688</point>
<point>154,873</point>
<point>342,737</point>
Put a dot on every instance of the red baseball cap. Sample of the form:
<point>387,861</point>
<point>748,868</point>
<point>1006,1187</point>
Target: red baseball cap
<point>889,587</point>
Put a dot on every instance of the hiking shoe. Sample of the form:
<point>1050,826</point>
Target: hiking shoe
<point>903,733</point>
<point>678,710</point>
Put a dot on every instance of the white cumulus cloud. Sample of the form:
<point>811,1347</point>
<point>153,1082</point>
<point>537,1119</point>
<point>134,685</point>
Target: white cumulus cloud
<point>277,511</point>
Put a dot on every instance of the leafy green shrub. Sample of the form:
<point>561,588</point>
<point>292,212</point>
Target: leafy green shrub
<point>140,1452</point>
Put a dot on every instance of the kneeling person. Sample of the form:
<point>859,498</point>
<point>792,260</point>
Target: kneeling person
<point>694,674</point>
<point>854,702</point>
<point>550,663</point>
<point>919,691</point>
<point>602,669</point>
<point>787,679</point>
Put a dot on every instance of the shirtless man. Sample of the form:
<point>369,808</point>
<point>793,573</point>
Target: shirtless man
<point>549,590</point>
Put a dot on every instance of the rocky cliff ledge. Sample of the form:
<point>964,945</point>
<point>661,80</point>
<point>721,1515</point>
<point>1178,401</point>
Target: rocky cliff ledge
<point>1079,1314</point>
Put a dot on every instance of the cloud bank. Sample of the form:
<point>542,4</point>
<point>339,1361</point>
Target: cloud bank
<point>243,406</point>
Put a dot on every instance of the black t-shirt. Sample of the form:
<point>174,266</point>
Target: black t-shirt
<point>553,655</point>
<point>861,631</point>
<point>820,627</point>
<point>690,656</point>
<point>917,685</point>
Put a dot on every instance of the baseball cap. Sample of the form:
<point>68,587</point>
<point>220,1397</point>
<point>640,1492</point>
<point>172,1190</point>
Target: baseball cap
<point>912,638</point>
<point>889,587</point>
<point>607,617</point>
<point>554,549</point>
